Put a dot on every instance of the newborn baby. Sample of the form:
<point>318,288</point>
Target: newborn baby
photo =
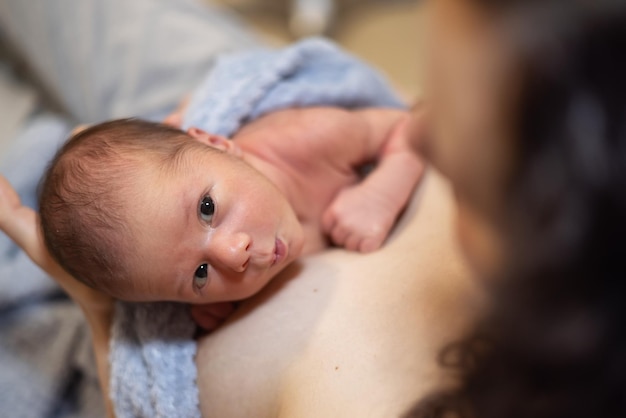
<point>147,212</point>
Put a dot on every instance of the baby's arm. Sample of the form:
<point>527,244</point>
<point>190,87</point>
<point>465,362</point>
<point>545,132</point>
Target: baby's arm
<point>361,216</point>
<point>20,223</point>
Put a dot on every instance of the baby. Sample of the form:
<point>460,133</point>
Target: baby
<point>147,212</point>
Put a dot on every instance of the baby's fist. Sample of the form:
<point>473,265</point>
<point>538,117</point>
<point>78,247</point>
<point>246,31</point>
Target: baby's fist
<point>359,219</point>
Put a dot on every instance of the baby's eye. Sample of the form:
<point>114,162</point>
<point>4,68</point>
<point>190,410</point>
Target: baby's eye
<point>207,209</point>
<point>200,277</point>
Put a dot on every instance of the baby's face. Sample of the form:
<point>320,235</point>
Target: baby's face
<point>213,229</point>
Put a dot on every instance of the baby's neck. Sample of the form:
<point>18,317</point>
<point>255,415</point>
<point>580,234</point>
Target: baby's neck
<point>294,186</point>
<point>284,177</point>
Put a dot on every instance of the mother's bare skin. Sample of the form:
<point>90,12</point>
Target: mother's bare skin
<point>344,334</point>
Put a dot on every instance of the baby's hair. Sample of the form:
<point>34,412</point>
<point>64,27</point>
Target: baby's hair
<point>83,193</point>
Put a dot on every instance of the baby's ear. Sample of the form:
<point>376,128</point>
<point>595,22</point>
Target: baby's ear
<point>214,141</point>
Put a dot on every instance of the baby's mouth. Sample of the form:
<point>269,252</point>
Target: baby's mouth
<point>280,252</point>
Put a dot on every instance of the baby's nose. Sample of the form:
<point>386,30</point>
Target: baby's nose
<point>231,251</point>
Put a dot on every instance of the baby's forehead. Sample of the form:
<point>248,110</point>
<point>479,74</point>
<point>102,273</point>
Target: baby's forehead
<point>149,174</point>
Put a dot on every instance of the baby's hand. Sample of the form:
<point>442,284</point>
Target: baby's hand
<point>359,219</point>
<point>210,316</point>
<point>175,118</point>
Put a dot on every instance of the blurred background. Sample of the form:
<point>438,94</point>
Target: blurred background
<point>384,33</point>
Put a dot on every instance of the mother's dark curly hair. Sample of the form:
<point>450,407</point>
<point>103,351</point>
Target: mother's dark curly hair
<point>554,344</point>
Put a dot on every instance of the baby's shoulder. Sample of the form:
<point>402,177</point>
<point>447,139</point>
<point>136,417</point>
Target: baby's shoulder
<point>325,132</point>
<point>311,131</point>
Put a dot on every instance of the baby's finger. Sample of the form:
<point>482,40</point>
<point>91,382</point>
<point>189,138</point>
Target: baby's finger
<point>340,234</point>
<point>174,120</point>
<point>329,219</point>
<point>370,244</point>
<point>353,242</point>
<point>222,309</point>
<point>78,129</point>
<point>204,319</point>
